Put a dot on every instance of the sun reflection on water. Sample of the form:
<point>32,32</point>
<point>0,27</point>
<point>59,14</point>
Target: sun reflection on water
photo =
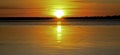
<point>59,32</point>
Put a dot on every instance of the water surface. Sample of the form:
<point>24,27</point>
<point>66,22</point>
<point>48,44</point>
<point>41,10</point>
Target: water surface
<point>59,39</point>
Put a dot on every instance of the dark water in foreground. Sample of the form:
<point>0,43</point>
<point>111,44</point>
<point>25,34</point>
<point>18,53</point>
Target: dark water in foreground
<point>59,39</point>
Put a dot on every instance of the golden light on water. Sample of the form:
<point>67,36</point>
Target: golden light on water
<point>59,32</point>
<point>59,13</point>
<point>59,38</point>
<point>59,29</point>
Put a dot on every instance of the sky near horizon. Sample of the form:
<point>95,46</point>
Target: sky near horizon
<point>71,8</point>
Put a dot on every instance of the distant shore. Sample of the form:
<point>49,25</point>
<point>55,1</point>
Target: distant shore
<point>94,18</point>
<point>107,20</point>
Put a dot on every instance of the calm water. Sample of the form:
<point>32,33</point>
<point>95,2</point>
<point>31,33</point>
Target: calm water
<point>59,39</point>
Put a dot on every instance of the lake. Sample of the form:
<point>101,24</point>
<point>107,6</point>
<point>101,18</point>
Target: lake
<point>58,38</point>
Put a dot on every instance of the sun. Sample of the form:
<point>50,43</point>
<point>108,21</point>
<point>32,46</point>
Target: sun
<point>59,13</point>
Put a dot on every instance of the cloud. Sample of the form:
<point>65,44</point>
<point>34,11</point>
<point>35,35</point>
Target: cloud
<point>97,1</point>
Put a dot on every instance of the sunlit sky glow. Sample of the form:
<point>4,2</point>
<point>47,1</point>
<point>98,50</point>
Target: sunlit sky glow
<point>45,8</point>
<point>59,13</point>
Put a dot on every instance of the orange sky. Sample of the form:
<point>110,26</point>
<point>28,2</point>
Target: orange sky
<point>72,8</point>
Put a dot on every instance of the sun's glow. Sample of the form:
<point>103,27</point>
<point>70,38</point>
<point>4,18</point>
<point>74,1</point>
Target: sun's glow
<point>59,13</point>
